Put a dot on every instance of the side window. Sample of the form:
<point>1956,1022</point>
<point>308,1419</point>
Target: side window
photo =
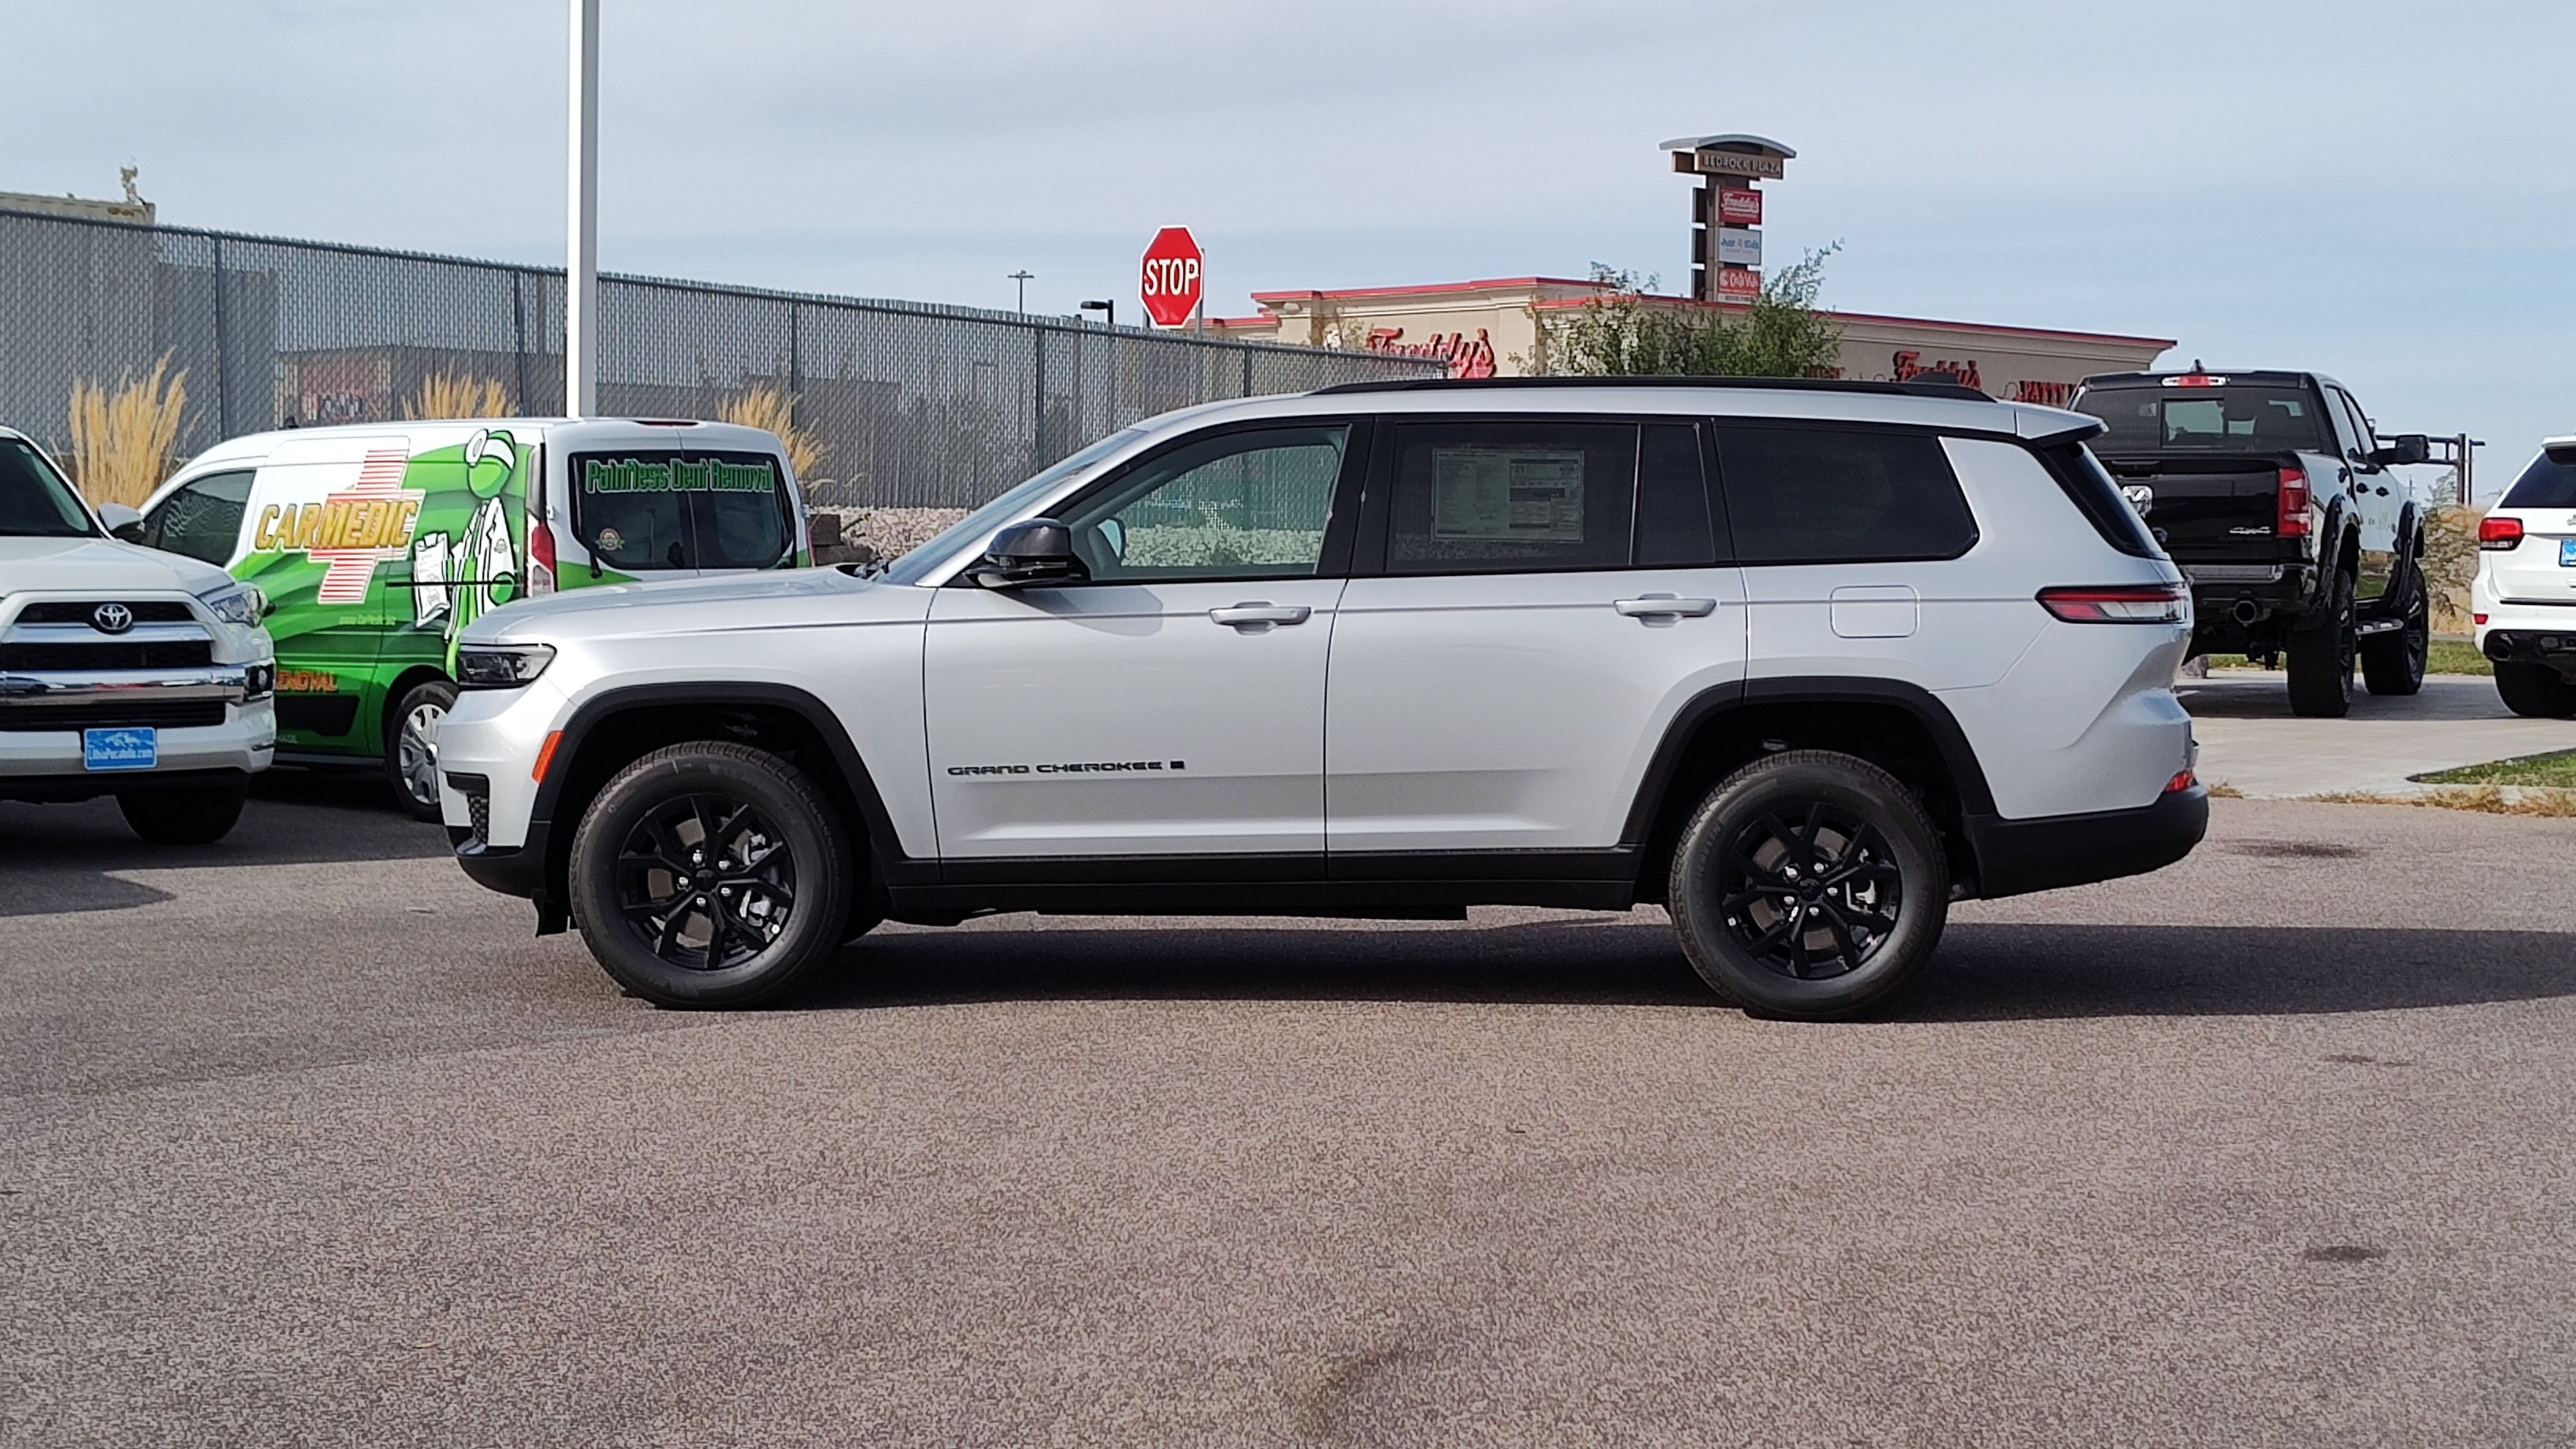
<point>202,519</point>
<point>1520,497</point>
<point>1673,529</point>
<point>1830,495</point>
<point>2355,428</point>
<point>739,521</point>
<point>1248,505</point>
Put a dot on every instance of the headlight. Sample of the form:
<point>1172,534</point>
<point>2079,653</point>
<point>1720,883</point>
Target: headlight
<point>243,605</point>
<point>501,666</point>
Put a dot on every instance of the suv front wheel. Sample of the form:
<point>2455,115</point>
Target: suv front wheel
<point>710,874</point>
<point>1809,885</point>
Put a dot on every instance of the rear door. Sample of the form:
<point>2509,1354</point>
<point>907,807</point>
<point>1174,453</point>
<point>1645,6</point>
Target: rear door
<point>2541,568</point>
<point>1542,595</point>
<point>2376,499</point>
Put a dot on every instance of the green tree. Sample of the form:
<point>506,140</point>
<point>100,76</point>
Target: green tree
<point>1627,334</point>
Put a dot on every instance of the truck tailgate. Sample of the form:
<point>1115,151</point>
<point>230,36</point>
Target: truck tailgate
<point>2219,510</point>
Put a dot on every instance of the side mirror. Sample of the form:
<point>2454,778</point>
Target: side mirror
<point>122,521</point>
<point>1038,551</point>
<point>2402,449</point>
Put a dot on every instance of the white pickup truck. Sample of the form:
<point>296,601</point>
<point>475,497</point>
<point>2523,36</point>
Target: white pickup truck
<point>124,671</point>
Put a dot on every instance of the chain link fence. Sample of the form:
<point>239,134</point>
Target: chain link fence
<point>910,405</point>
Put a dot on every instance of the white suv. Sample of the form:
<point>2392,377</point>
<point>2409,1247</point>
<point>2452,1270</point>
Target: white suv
<point>1802,661</point>
<point>2523,599</point>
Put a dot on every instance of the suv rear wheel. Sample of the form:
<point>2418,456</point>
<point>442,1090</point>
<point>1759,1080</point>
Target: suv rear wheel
<point>710,874</point>
<point>2320,658</point>
<point>2535,690</point>
<point>1810,885</point>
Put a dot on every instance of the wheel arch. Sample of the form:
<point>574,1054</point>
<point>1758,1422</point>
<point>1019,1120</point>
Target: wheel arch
<point>615,728</point>
<point>1901,727</point>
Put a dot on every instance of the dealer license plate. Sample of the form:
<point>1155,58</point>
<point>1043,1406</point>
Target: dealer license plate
<point>2567,553</point>
<point>132,748</point>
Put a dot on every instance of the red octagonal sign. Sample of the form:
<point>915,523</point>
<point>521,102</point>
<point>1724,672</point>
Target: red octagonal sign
<point>1173,279</point>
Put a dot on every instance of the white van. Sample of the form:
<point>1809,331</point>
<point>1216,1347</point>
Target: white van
<point>375,544</point>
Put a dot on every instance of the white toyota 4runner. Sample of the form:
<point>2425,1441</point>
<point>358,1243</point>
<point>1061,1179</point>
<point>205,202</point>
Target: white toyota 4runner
<point>1802,662</point>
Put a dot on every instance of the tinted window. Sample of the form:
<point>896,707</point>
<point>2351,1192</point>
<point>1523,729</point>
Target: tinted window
<point>2093,490</point>
<point>1512,497</point>
<point>1824,495</point>
<point>2178,419</point>
<point>659,508</point>
<point>2547,483</point>
<point>1672,499</point>
<point>35,502</point>
<point>202,519</point>
<point>1248,505</point>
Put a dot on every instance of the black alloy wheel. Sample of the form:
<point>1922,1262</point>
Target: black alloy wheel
<point>1810,884</point>
<point>2320,657</point>
<point>710,874</point>
<point>2393,660</point>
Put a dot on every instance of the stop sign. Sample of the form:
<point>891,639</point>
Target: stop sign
<point>1172,280</point>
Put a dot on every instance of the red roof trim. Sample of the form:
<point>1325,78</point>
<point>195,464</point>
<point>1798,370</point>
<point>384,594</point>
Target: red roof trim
<point>1437,287</point>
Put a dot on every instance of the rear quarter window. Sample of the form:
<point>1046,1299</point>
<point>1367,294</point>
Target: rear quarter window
<point>1840,495</point>
<point>2090,487</point>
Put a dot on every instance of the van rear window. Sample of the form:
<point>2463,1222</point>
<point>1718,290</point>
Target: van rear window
<point>645,509</point>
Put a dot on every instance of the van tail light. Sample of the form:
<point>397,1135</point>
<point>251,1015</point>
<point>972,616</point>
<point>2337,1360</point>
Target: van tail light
<point>2293,522</point>
<point>2118,604</point>
<point>541,560</point>
<point>2499,534</point>
<point>2180,783</point>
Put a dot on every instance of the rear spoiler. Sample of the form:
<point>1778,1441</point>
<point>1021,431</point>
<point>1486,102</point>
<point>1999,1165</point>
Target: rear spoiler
<point>2049,427</point>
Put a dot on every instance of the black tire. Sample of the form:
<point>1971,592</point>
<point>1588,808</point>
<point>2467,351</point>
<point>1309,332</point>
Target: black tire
<point>411,758</point>
<point>2320,658</point>
<point>2393,663</point>
<point>192,815</point>
<point>1882,900</point>
<point>2535,690</point>
<point>677,928</point>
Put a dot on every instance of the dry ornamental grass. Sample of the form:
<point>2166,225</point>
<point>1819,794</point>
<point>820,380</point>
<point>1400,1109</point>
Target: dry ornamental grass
<point>772,411</point>
<point>125,442</point>
<point>458,395</point>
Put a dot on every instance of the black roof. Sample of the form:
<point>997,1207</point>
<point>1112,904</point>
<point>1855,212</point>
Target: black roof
<point>1955,391</point>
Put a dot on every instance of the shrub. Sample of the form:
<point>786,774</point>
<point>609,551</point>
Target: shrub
<point>125,443</point>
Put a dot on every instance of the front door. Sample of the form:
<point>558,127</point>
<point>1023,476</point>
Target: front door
<point>1171,704</point>
<point>1548,595</point>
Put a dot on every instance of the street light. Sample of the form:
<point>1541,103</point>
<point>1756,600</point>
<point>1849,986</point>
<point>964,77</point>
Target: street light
<point>1022,277</point>
<point>1110,308</point>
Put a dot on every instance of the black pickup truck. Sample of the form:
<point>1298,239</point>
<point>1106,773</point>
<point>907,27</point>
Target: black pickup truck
<point>2272,492</point>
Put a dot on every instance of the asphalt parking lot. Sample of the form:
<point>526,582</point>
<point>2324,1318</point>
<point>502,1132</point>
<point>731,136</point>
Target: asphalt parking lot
<point>304,1139</point>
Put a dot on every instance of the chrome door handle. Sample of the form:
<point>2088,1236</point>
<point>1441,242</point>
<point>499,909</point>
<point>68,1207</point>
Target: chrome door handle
<point>1261,613</point>
<point>1659,606</point>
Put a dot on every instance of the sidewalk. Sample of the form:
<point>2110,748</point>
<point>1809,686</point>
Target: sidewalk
<point>2250,740</point>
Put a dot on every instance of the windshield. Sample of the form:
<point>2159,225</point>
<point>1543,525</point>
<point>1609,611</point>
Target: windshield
<point>35,502</point>
<point>2547,483</point>
<point>2221,419</point>
<point>912,567</point>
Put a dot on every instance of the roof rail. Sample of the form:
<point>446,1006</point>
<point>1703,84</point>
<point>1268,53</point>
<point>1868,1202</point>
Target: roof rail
<point>1957,391</point>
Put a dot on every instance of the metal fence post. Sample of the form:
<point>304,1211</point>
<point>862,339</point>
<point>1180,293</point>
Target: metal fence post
<point>519,331</point>
<point>223,345</point>
<point>1037,399</point>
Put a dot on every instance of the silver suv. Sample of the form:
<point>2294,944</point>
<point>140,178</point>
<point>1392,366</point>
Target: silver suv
<point>1801,662</point>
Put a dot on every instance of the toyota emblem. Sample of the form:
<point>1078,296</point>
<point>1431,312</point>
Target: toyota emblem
<point>112,618</point>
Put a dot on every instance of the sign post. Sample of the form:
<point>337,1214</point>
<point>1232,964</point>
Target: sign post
<point>1173,277</point>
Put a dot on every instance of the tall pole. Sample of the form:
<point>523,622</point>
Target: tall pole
<point>581,298</point>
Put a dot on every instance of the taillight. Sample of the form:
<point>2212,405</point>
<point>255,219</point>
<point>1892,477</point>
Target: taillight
<point>2293,522</point>
<point>2478,619</point>
<point>541,560</point>
<point>2499,533</point>
<point>2117,604</point>
<point>2180,783</point>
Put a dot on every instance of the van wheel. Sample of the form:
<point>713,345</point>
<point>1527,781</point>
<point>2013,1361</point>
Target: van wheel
<point>1809,885</point>
<point>411,746</point>
<point>2535,690</point>
<point>2320,659</point>
<point>2393,663</point>
<point>710,874</point>
<point>192,815</point>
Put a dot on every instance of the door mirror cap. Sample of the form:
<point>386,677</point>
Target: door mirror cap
<point>2402,449</point>
<point>1036,551</point>
<point>122,521</point>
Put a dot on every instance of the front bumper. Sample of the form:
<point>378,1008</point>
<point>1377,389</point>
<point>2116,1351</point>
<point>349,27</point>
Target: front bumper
<point>2016,857</point>
<point>239,732</point>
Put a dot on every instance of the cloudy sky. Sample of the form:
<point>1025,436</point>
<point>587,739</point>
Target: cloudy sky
<point>2381,191</point>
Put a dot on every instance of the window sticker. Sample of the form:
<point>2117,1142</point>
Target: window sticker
<point>1497,493</point>
<point>676,475</point>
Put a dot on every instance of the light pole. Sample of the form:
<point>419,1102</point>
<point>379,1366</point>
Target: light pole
<point>1022,277</point>
<point>581,264</point>
<point>1111,308</point>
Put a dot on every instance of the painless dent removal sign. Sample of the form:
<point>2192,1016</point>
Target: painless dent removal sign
<point>673,475</point>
